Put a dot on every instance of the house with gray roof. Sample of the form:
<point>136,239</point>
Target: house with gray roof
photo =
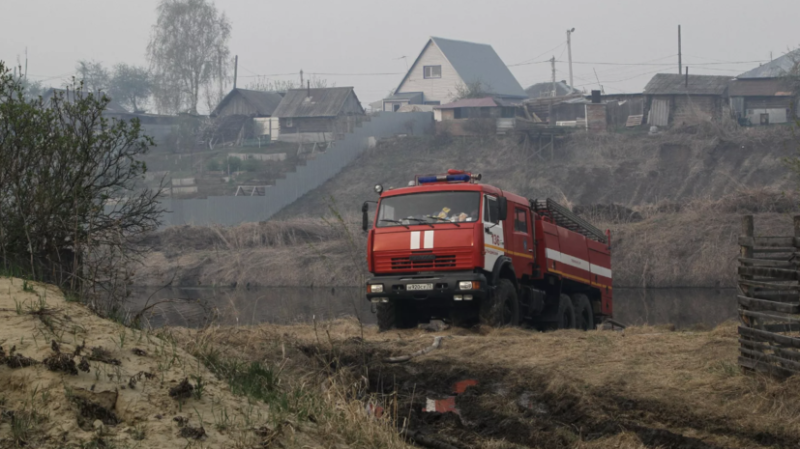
<point>766,95</point>
<point>251,103</point>
<point>319,114</point>
<point>686,99</point>
<point>446,66</point>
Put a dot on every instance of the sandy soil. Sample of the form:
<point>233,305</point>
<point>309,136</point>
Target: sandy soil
<point>115,390</point>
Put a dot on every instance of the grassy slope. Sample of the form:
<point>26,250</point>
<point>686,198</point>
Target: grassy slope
<point>626,169</point>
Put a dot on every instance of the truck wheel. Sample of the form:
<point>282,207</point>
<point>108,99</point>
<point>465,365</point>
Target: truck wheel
<point>566,313</point>
<point>387,316</point>
<point>584,315</point>
<point>502,308</point>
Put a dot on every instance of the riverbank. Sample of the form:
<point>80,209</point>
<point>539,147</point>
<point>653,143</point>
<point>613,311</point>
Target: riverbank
<point>72,379</point>
<point>669,244</point>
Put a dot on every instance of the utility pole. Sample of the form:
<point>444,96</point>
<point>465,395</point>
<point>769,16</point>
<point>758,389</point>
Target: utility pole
<point>26,62</point>
<point>550,120</point>
<point>235,70</point>
<point>680,63</point>
<point>301,78</point>
<point>569,54</point>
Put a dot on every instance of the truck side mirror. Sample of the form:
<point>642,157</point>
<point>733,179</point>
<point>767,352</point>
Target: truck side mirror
<point>503,208</point>
<point>364,216</point>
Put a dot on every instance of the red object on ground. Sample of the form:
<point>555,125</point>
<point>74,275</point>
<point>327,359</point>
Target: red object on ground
<point>461,386</point>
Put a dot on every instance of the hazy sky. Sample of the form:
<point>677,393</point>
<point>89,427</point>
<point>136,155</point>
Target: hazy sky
<point>361,42</point>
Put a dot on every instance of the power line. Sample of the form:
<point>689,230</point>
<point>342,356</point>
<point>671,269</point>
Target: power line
<point>539,56</point>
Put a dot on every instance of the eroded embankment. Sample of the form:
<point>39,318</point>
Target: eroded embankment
<point>512,388</point>
<point>70,379</point>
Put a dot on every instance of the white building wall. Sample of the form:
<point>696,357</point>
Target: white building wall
<point>434,89</point>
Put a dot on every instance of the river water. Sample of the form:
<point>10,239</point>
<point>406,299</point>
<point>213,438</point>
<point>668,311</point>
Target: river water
<point>193,307</point>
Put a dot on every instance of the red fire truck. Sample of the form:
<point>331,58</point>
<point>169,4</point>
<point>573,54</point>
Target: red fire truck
<point>448,247</point>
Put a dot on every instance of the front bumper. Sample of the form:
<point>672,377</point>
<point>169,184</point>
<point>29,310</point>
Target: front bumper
<point>445,288</point>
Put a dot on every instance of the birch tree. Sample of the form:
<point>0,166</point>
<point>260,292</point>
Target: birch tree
<point>188,52</point>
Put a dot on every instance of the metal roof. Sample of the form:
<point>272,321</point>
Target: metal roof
<point>776,68</point>
<point>475,63</point>
<point>760,87</point>
<point>264,103</point>
<point>674,84</point>
<point>480,63</point>
<point>69,94</point>
<point>540,90</point>
<point>321,102</point>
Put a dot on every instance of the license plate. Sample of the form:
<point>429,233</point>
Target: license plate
<point>417,287</point>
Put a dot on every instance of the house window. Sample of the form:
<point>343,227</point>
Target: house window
<point>432,71</point>
<point>288,122</point>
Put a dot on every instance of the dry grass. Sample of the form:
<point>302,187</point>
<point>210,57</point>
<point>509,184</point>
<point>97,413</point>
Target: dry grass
<point>601,389</point>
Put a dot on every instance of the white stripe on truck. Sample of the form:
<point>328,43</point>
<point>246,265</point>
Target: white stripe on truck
<point>577,263</point>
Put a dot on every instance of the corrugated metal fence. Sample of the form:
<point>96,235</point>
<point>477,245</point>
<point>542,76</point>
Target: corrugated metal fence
<point>232,210</point>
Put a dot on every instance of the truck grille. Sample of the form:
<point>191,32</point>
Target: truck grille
<point>405,263</point>
<point>394,262</point>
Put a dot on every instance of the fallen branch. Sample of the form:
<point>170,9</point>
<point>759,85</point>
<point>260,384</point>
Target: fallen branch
<point>437,342</point>
<point>426,441</point>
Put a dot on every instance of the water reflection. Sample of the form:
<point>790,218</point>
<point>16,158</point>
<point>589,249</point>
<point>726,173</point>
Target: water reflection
<point>196,307</point>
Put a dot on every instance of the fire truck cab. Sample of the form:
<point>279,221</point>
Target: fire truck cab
<point>447,247</point>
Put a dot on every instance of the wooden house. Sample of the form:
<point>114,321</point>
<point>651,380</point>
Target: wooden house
<point>251,103</point>
<point>445,66</point>
<point>686,99</point>
<point>318,115</point>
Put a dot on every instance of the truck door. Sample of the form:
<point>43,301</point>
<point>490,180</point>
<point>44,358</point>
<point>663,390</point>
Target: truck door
<point>493,239</point>
<point>522,245</point>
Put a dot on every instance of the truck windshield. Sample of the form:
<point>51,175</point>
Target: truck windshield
<point>429,208</point>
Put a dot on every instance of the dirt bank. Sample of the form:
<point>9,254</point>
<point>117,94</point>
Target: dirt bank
<point>632,169</point>
<point>669,244</point>
<point>641,388</point>
<point>69,379</point>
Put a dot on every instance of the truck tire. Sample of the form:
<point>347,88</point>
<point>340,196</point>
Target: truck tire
<point>566,313</point>
<point>584,315</point>
<point>387,316</point>
<point>502,307</point>
<point>394,316</point>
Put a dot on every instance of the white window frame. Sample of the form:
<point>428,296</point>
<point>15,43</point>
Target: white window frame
<point>431,75</point>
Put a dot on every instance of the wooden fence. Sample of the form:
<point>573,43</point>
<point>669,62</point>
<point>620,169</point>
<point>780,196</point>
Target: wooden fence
<point>769,301</point>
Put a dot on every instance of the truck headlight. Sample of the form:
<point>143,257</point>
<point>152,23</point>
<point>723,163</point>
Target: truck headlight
<point>469,285</point>
<point>376,288</point>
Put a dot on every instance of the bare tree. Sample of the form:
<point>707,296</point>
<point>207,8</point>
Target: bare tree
<point>475,89</point>
<point>93,75</point>
<point>131,86</point>
<point>188,52</point>
<point>265,84</point>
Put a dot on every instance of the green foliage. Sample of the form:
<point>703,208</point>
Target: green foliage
<point>250,165</point>
<point>212,165</point>
<point>474,89</point>
<point>60,164</point>
<point>234,164</point>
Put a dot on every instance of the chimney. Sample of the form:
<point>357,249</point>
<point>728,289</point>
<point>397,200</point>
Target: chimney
<point>308,90</point>
<point>686,84</point>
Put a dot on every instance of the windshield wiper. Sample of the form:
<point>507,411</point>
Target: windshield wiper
<point>395,221</point>
<point>420,220</point>
<point>443,219</point>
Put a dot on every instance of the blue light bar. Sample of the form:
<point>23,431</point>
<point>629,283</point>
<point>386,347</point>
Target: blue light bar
<point>463,178</point>
<point>443,178</point>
